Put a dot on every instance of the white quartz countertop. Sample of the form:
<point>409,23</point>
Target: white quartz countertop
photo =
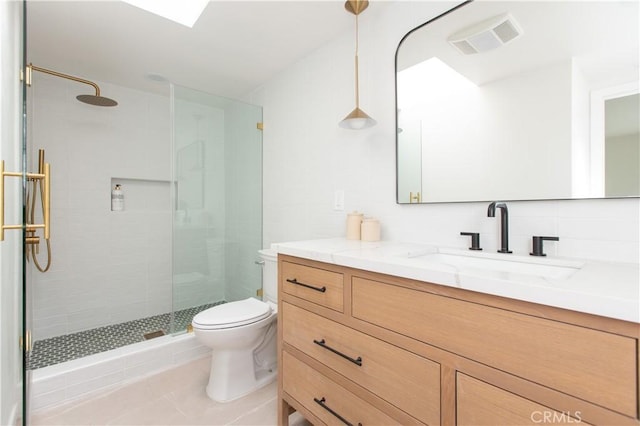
<point>607,289</point>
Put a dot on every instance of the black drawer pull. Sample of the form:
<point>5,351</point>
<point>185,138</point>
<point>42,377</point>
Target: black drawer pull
<point>357,361</point>
<point>295,281</point>
<point>321,402</point>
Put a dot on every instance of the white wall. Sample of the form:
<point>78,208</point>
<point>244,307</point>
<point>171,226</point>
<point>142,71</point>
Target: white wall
<point>10,248</point>
<point>307,157</point>
<point>107,267</point>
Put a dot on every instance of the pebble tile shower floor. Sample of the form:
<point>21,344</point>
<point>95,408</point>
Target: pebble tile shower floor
<point>59,349</point>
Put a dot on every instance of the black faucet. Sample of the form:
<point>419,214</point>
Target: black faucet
<point>504,224</point>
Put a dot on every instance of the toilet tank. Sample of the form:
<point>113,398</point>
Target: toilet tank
<point>269,275</point>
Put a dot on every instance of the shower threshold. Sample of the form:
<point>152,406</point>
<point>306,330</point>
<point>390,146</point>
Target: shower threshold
<point>59,349</point>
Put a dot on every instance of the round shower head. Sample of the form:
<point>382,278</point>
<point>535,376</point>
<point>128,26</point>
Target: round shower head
<point>96,100</point>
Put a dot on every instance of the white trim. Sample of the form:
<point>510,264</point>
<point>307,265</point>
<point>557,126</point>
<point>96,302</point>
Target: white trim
<point>85,377</point>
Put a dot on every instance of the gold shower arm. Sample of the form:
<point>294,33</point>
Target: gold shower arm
<point>67,76</point>
<point>45,176</point>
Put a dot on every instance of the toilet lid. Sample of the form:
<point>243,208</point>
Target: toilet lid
<point>232,314</point>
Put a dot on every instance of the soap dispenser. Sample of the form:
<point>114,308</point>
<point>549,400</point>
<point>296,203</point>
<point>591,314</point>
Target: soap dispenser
<point>117,199</point>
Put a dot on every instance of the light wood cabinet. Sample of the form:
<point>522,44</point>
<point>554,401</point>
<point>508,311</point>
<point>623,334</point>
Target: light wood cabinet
<point>314,284</point>
<point>329,401</point>
<point>410,382</point>
<point>481,404</point>
<point>420,353</point>
<point>577,360</point>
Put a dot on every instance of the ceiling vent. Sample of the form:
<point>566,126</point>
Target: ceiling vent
<point>486,35</point>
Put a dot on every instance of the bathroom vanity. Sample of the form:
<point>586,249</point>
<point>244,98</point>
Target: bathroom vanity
<point>387,333</point>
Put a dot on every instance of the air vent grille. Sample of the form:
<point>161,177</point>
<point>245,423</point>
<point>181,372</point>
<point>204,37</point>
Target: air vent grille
<point>506,31</point>
<point>486,35</point>
<point>465,47</point>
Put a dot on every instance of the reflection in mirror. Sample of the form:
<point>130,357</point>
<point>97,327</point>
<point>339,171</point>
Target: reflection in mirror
<point>520,101</point>
<point>622,127</point>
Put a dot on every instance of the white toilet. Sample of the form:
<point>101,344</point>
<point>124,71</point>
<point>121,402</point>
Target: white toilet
<point>242,335</point>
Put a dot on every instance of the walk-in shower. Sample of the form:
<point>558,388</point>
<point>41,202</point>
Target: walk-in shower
<point>190,168</point>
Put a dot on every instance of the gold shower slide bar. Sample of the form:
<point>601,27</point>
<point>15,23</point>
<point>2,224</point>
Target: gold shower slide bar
<point>45,177</point>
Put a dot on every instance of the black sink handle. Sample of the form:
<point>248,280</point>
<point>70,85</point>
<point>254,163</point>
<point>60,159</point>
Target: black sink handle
<point>537,245</point>
<point>475,240</point>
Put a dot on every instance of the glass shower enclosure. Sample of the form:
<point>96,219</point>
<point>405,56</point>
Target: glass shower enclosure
<point>217,190</point>
<point>190,166</point>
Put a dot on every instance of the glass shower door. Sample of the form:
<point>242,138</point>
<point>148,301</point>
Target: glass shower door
<point>217,221</point>
<point>25,332</point>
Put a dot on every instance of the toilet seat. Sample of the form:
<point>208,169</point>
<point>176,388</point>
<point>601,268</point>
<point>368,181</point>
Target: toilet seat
<point>232,314</point>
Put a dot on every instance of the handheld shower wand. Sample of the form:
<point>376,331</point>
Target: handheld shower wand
<point>32,240</point>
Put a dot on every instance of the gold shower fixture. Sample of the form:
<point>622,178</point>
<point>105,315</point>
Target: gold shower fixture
<point>43,176</point>
<point>96,99</point>
<point>357,119</point>
<point>32,241</point>
<point>40,181</point>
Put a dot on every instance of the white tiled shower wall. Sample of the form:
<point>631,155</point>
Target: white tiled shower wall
<point>107,266</point>
<point>307,157</point>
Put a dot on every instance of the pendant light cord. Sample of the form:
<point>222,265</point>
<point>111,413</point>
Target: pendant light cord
<point>357,73</point>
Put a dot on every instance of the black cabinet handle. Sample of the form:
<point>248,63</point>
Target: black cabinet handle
<point>357,361</point>
<point>322,402</point>
<point>296,282</point>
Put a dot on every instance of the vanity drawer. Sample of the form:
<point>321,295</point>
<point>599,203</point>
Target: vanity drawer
<point>479,403</point>
<point>313,284</point>
<point>320,394</point>
<point>592,365</point>
<point>404,379</point>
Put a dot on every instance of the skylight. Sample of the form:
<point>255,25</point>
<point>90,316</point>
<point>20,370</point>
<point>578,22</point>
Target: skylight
<point>185,12</point>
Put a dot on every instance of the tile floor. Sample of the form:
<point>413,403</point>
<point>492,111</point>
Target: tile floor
<point>77,345</point>
<point>172,397</point>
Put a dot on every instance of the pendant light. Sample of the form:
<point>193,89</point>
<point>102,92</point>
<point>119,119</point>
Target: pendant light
<point>357,119</point>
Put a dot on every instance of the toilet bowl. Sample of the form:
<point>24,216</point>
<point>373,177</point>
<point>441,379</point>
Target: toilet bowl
<point>242,335</point>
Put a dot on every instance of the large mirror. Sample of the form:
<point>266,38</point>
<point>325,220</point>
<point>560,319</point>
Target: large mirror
<point>520,100</point>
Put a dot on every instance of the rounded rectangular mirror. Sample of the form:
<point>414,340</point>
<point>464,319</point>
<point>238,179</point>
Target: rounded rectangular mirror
<point>520,100</point>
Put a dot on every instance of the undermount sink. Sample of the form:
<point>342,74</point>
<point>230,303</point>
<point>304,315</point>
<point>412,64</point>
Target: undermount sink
<point>510,264</point>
